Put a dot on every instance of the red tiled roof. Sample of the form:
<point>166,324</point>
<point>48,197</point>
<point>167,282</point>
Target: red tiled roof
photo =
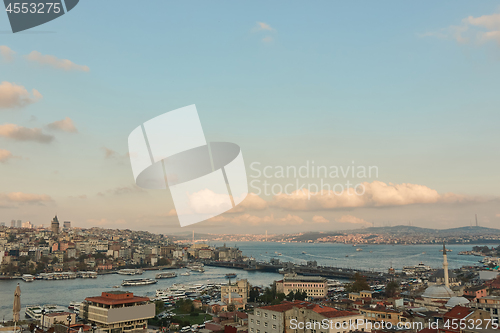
<point>337,313</point>
<point>458,312</point>
<point>111,298</point>
<point>285,306</point>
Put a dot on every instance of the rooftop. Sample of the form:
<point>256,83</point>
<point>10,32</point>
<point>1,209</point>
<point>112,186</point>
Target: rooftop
<point>116,297</point>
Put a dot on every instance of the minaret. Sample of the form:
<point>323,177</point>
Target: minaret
<point>445,268</point>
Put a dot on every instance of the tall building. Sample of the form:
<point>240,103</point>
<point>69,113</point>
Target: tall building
<point>118,311</point>
<point>27,225</point>
<point>19,223</point>
<point>13,223</point>
<point>2,224</point>
<point>67,225</point>
<point>54,225</point>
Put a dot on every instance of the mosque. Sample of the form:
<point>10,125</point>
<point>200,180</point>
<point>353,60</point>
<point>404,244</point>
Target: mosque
<point>439,295</point>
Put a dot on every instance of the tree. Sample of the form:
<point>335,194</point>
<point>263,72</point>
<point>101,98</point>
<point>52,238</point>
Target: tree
<point>253,294</point>
<point>55,260</point>
<point>291,296</point>
<point>359,284</point>
<point>300,295</point>
<point>392,289</point>
<point>160,307</point>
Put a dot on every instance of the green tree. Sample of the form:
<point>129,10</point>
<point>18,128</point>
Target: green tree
<point>253,295</point>
<point>300,295</point>
<point>359,284</point>
<point>392,289</point>
<point>291,296</point>
<point>160,307</point>
<point>55,260</point>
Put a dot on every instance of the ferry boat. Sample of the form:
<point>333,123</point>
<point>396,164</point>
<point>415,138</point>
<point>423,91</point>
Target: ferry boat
<point>166,275</point>
<point>87,275</point>
<point>74,305</point>
<point>231,276</point>
<point>28,278</point>
<point>138,282</point>
<point>130,271</point>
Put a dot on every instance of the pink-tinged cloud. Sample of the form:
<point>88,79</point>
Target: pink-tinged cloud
<point>261,26</point>
<point>13,96</point>
<point>25,197</point>
<point>55,62</point>
<point>5,155</point>
<point>251,202</point>
<point>375,194</point>
<point>319,219</point>
<point>64,125</point>
<point>6,53</point>
<point>352,219</point>
<point>20,133</point>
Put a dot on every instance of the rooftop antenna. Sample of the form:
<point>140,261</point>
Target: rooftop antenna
<point>477,225</point>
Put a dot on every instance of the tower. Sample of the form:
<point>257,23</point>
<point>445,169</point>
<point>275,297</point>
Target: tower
<point>54,225</point>
<point>445,267</point>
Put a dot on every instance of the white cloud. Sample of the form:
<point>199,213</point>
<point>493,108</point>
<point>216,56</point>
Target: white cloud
<point>319,219</point>
<point>376,194</point>
<point>207,202</point>
<point>268,39</point>
<point>6,53</point>
<point>55,62</point>
<point>352,219</point>
<point>251,202</point>
<point>65,125</point>
<point>21,133</point>
<point>477,30</point>
<point>15,96</point>
<point>5,155</point>
<point>25,197</point>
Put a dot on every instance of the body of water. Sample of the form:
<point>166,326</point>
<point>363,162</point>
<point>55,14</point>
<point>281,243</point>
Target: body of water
<point>61,292</point>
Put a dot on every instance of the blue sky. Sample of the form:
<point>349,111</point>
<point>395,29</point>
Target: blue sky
<point>380,83</point>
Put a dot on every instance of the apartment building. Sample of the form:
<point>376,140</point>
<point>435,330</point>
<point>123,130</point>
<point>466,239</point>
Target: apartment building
<point>118,311</point>
<point>489,304</point>
<point>314,286</point>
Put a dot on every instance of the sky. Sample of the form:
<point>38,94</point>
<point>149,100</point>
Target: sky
<point>410,88</point>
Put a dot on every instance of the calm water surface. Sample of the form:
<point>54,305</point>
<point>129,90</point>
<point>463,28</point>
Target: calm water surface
<point>61,292</point>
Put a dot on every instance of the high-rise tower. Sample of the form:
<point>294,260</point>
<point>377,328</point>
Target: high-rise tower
<point>54,225</point>
<point>445,267</point>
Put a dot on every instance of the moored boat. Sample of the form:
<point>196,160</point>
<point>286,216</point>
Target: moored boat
<point>166,275</point>
<point>138,282</point>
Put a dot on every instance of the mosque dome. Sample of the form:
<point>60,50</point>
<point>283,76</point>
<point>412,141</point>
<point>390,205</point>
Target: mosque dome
<point>438,292</point>
<point>454,301</point>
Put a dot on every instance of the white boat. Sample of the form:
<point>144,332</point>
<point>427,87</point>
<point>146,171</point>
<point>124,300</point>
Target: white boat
<point>359,249</point>
<point>74,305</point>
<point>185,273</point>
<point>127,271</point>
<point>28,278</point>
<point>138,282</point>
<point>165,275</point>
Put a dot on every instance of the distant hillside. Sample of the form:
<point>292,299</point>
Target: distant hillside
<point>411,230</point>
